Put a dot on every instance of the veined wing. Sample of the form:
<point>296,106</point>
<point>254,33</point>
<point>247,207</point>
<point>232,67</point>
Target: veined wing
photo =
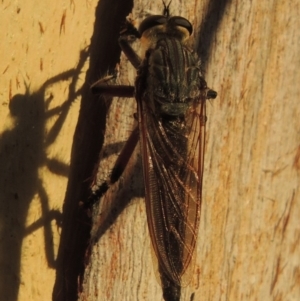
<point>172,152</point>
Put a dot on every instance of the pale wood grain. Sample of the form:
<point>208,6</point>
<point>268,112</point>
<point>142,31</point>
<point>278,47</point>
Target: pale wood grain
<point>41,43</point>
<point>249,236</point>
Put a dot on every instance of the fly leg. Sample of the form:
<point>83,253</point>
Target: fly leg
<point>119,91</point>
<point>127,35</point>
<point>113,91</point>
<point>101,87</point>
<point>117,170</point>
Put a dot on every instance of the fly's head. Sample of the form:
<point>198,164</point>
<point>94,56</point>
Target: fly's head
<point>156,27</point>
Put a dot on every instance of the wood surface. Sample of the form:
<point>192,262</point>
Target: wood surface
<point>53,136</point>
<point>248,245</point>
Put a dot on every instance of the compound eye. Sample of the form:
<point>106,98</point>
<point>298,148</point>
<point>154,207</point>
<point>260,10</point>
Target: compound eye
<point>152,21</point>
<point>182,22</point>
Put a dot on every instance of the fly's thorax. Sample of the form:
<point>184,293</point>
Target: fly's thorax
<point>173,78</point>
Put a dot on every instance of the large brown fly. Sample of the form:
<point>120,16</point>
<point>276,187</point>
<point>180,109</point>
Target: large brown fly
<point>171,94</point>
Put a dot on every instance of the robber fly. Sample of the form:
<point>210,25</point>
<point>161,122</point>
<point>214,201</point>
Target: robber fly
<point>171,94</point>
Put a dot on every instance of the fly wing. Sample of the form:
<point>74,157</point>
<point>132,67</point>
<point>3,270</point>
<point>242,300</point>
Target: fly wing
<point>172,152</point>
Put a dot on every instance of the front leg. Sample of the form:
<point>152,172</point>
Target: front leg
<point>113,91</point>
<point>127,35</point>
<point>101,87</point>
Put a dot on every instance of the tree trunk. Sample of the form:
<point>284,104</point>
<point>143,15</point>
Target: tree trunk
<point>249,237</point>
<point>248,245</point>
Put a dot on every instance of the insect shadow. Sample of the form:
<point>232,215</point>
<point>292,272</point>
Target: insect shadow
<point>22,152</point>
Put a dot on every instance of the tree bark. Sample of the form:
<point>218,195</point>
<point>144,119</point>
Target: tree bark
<point>249,237</point>
<point>248,245</point>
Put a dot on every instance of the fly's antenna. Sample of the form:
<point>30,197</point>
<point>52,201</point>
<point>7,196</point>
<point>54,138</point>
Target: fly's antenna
<point>166,11</point>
